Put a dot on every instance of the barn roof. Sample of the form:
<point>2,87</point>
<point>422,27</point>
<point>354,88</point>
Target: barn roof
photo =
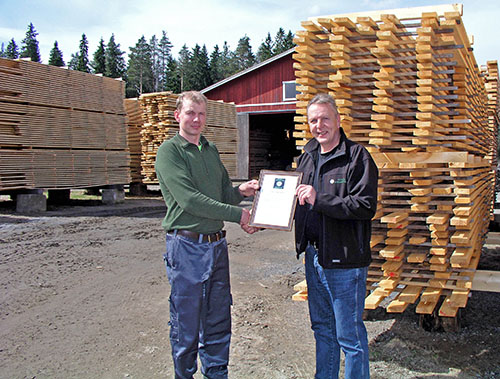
<point>246,71</point>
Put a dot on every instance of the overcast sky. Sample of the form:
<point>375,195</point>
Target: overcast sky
<point>208,22</point>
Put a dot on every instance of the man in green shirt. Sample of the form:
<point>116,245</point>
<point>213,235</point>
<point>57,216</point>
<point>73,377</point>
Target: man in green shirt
<point>199,196</point>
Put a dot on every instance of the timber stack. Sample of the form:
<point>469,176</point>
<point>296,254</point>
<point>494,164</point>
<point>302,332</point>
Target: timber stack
<point>60,128</point>
<point>408,88</point>
<point>134,124</point>
<point>159,124</point>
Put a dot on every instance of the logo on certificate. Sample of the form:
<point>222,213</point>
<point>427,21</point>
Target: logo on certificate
<point>279,183</point>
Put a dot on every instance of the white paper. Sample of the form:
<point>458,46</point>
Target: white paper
<point>276,200</point>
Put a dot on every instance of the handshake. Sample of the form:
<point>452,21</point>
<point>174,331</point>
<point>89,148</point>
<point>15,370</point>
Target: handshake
<point>248,189</point>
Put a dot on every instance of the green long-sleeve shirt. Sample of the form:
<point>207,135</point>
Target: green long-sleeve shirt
<point>195,186</point>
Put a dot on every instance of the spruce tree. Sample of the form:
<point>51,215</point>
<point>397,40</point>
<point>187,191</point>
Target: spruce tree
<point>56,56</point>
<point>282,42</point>
<point>2,51</point>
<point>216,65</point>
<point>99,62</point>
<point>115,62</point>
<point>12,51</point>
<point>139,72</point>
<point>184,68</point>
<point>200,76</point>
<point>279,41</point>
<point>228,61</point>
<point>289,40</point>
<point>83,55</point>
<point>172,78</point>
<point>243,55</point>
<point>30,45</point>
<point>265,49</point>
<point>73,63</point>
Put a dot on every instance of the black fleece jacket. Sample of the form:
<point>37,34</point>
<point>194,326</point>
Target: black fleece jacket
<point>346,201</point>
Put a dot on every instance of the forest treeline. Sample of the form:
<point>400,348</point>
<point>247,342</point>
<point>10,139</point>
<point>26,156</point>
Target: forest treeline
<point>150,65</point>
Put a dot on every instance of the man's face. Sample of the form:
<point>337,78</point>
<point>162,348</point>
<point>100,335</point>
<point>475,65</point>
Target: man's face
<point>324,125</point>
<point>191,120</point>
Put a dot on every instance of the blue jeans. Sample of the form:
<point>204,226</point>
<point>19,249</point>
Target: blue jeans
<point>200,305</point>
<point>336,301</point>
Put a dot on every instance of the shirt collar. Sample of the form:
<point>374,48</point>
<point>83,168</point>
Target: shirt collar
<point>185,143</point>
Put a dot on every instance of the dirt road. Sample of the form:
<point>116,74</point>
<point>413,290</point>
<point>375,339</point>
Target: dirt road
<point>84,295</point>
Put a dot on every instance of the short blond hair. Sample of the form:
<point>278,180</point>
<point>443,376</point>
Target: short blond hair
<point>194,96</point>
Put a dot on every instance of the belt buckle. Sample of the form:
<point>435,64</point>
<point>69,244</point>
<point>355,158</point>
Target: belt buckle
<point>213,237</point>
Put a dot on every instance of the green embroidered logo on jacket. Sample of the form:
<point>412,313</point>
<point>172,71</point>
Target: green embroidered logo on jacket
<point>338,181</point>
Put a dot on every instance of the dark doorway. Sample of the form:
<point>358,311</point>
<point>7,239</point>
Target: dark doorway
<point>271,142</point>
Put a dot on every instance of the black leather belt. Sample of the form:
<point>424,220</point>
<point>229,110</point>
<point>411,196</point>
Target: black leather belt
<point>214,237</point>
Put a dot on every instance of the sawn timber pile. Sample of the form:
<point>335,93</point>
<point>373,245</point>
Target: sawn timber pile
<point>60,128</point>
<point>408,88</point>
<point>159,124</point>
<point>134,123</point>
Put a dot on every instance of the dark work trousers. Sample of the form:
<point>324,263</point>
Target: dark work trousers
<point>200,305</point>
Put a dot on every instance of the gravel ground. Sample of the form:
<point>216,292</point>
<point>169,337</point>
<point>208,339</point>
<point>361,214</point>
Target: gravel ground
<point>84,295</point>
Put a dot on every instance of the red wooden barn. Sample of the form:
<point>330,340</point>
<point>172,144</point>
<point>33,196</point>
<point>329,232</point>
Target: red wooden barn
<point>265,101</point>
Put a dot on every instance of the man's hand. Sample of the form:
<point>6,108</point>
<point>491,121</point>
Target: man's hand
<point>249,188</point>
<point>245,219</point>
<point>306,194</point>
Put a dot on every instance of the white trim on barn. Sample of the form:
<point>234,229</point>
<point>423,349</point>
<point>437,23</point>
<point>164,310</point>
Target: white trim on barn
<point>244,72</point>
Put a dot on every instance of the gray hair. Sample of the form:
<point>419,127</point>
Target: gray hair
<point>323,98</point>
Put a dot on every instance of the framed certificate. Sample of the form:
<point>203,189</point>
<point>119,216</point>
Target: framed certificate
<point>274,204</point>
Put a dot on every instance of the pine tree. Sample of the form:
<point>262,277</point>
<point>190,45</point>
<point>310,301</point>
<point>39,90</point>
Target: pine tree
<point>115,62</point>
<point>2,51</point>
<point>164,58</point>
<point>30,45</point>
<point>265,49</point>
<point>12,51</point>
<point>99,62</point>
<point>139,69</point>
<point>155,64</point>
<point>243,55</point>
<point>83,55</point>
<point>56,56</point>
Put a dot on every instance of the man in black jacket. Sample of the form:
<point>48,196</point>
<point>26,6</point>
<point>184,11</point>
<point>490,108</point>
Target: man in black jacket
<point>337,200</point>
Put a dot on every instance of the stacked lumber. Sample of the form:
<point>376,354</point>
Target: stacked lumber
<point>66,128</point>
<point>260,148</point>
<point>159,124</point>
<point>491,80</point>
<point>408,88</point>
<point>134,124</point>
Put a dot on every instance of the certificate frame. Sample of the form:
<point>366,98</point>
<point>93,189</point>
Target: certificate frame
<point>277,189</point>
